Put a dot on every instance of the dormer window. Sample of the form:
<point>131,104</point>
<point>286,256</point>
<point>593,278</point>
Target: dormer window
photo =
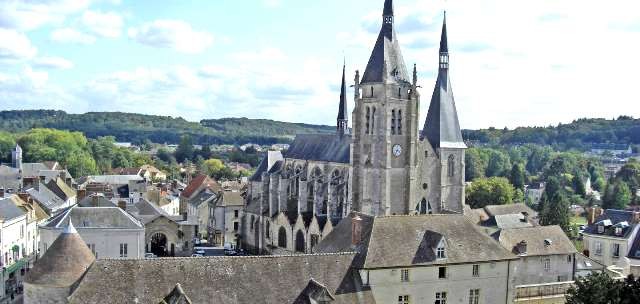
<point>600,228</point>
<point>618,231</point>
<point>440,251</point>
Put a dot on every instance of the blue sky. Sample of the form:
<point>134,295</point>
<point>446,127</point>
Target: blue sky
<point>513,63</point>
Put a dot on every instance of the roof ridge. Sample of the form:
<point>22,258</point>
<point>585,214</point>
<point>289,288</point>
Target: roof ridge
<point>236,257</point>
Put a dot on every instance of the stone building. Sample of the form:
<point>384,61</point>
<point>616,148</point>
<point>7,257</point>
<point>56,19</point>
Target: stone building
<point>57,272</point>
<point>384,166</point>
<point>610,236</point>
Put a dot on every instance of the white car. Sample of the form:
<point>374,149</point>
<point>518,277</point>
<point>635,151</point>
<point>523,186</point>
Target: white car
<point>150,256</point>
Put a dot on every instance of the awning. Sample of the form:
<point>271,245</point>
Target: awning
<point>15,266</point>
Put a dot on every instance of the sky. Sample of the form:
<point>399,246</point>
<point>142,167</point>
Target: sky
<point>513,63</point>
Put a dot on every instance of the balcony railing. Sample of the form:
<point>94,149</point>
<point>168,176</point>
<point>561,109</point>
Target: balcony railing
<point>542,290</point>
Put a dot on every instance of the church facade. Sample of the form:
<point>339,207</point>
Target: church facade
<point>382,166</point>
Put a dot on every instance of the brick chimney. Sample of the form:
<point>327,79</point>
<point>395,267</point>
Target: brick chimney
<point>1,192</point>
<point>122,205</point>
<point>521,247</point>
<point>25,197</point>
<point>594,213</point>
<point>82,193</point>
<point>356,229</point>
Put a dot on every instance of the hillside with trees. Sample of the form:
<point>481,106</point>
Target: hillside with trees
<point>138,128</point>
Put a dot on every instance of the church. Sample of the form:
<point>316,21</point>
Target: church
<point>382,166</point>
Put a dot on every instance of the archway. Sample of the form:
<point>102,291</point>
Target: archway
<point>282,238</point>
<point>300,241</point>
<point>159,244</point>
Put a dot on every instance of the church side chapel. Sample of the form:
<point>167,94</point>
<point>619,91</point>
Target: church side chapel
<point>381,166</point>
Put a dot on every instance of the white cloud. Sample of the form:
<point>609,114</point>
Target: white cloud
<point>107,24</point>
<point>174,34</point>
<point>52,63</point>
<point>30,15</point>
<point>15,46</point>
<point>69,35</point>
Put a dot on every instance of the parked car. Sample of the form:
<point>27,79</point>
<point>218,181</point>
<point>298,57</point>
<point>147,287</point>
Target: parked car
<point>150,255</point>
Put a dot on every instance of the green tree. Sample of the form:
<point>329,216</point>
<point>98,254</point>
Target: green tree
<point>185,149</point>
<point>213,166</point>
<point>556,212</point>
<point>517,176</point>
<point>7,143</point>
<point>490,191</point>
<point>499,164</point>
<point>599,288</point>
<point>621,196</point>
<point>475,166</point>
<point>578,185</point>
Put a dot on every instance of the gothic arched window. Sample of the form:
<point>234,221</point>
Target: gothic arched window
<point>393,122</point>
<point>373,120</point>
<point>451,166</point>
<point>282,238</point>
<point>368,120</point>
<point>399,123</point>
<point>300,241</point>
<point>267,231</point>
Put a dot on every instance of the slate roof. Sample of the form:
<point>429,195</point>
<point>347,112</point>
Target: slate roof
<point>386,55</point>
<point>535,238</point>
<point>262,167</point>
<point>519,208</point>
<point>9,210</point>
<point>126,171</point>
<point>96,201</point>
<point>320,147</point>
<point>221,280</point>
<point>63,263</point>
<point>177,296</point>
<point>115,179</point>
<point>442,127</point>
<point>402,241</point>
<point>616,217</point>
<point>33,169</point>
<point>342,109</point>
<point>59,188</point>
<point>95,217</point>
<point>634,252</point>
<point>507,221</point>
<point>231,198</point>
<point>10,178</point>
<point>47,199</point>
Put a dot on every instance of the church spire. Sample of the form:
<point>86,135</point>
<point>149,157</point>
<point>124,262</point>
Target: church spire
<point>386,53</point>
<point>442,127</point>
<point>342,110</point>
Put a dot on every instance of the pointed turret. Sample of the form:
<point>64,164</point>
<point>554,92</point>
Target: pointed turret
<point>342,110</point>
<point>16,157</point>
<point>386,53</point>
<point>442,128</point>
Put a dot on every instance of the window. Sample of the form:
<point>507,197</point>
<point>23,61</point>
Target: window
<point>451,167</point>
<point>474,296</point>
<point>404,275</point>
<point>21,231</point>
<point>442,272</point>
<point>393,122</point>
<point>600,229</point>
<point>547,264</point>
<point>426,154</point>
<point>368,117</point>
<point>403,299</point>
<point>123,250</point>
<point>598,250</point>
<point>569,259</point>
<point>616,251</point>
<point>236,213</point>
<point>399,122</point>
<point>282,238</point>
<point>441,297</point>
<point>373,120</point>
<point>440,251</point>
<point>476,270</point>
<point>252,220</point>
<point>236,226</point>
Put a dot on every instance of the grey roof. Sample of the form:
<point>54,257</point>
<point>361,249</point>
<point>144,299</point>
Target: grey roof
<point>519,208</point>
<point>10,178</point>
<point>507,221</point>
<point>320,147</point>
<point>615,217</point>
<point>59,188</point>
<point>401,241</point>
<point>96,200</point>
<point>262,167</point>
<point>115,179</point>
<point>442,127</point>
<point>231,198</point>
<point>47,199</point>
<point>8,210</point>
<point>95,217</point>
<point>33,169</point>
<point>536,238</point>
<point>386,56</point>
<point>177,296</point>
<point>634,252</point>
<point>221,280</point>
<point>342,109</point>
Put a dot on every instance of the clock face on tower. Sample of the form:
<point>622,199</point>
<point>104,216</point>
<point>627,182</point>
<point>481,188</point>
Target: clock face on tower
<point>397,150</point>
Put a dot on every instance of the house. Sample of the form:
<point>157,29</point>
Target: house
<point>166,199</point>
<point>506,216</point>
<point>53,197</point>
<point>128,187</point>
<point>424,259</point>
<point>546,254</point>
<point>610,236</point>
<point>153,173</point>
<point>14,240</point>
<point>225,218</point>
<point>196,199</point>
<point>109,232</point>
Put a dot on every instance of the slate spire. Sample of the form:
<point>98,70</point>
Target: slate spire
<point>386,53</point>
<point>442,127</point>
<point>342,110</point>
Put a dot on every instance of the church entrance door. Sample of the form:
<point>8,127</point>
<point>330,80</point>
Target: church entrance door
<point>159,244</point>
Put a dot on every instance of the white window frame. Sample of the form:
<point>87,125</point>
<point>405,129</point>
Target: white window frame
<point>547,264</point>
<point>441,297</point>
<point>404,299</point>
<point>615,250</point>
<point>598,248</point>
<point>404,275</point>
<point>474,296</point>
<point>475,272</point>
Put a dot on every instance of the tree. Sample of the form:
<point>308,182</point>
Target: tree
<point>578,185</point>
<point>7,143</point>
<point>556,212</point>
<point>213,166</point>
<point>499,164</point>
<point>474,165</point>
<point>599,288</point>
<point>517,176</point>
<point>185,149</point>
<point>490,191</point>
<point>621,196</point>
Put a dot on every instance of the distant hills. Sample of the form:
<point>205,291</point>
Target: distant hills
<point>160,129</point>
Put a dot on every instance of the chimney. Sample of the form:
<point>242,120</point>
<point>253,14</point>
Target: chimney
<point>636,217</point>
<point>356,229</point>
<point>122,205</point>
<point>25,197</point>
<point>521,247</point>
<point>1,192</point>
<point>525,217</point>
<point>594,213</point>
